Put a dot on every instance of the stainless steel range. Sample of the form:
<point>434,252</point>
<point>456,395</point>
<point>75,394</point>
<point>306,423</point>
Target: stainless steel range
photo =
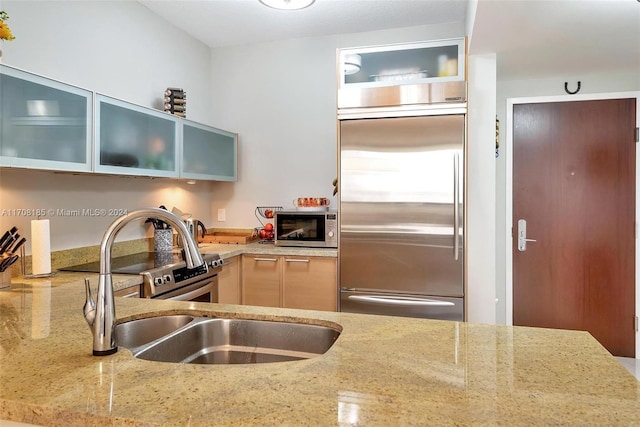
<point>166,275</point>
<point>178,282</point>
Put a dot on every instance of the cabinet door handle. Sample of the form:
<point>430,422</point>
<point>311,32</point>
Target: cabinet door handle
<point>227,263</point>
<point>296,260</point>
<point>265,259</point>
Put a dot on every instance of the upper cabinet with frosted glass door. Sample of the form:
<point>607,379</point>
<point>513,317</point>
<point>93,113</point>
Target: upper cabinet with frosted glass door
<point>431,72</point>
<point>135,140</point>
<point>44,124</point>
<point>208,153</point>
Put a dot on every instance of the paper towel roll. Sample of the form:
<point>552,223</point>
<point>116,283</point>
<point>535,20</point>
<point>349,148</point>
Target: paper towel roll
<point>40,247</point>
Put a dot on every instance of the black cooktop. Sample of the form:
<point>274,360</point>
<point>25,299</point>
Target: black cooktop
<point>131,264</point>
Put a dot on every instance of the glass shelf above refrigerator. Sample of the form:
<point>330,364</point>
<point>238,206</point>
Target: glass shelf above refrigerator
<point>411,74</point>
<point>391,65</point>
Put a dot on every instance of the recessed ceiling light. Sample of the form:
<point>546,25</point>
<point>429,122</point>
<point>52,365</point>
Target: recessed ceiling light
<point>287,4</point>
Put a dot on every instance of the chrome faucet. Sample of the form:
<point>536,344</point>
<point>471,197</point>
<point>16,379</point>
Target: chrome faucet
<point>100,314</point>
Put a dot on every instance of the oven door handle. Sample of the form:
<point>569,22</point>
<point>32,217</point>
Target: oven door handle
<point>132,294</point>
<point>191,295</point>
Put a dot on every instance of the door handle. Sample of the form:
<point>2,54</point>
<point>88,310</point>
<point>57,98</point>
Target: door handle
<point>400,301</point>
<point>456,208</point>
<point>522,235</point>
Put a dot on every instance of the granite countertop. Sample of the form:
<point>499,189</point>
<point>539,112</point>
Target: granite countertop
<point>380,371</point>
<point>230,250</point>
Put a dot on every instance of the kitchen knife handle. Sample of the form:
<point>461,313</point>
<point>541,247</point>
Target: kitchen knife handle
<point>10,241</point>
<point>4,238</point>
<point>17,246</point>
<point>456,207</point>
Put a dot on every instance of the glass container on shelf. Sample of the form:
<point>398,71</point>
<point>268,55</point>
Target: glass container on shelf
<point>44,123</point>
<point>135,140</point>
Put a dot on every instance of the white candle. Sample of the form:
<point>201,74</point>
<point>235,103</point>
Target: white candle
<point>40,247</point>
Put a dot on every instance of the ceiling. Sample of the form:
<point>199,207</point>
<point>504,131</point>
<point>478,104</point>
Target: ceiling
<point>234,22</point>
<point>538,38</point>
<point>532,38</point>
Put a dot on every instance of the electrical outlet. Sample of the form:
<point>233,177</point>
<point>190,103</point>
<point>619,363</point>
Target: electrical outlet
<point>222,215</point>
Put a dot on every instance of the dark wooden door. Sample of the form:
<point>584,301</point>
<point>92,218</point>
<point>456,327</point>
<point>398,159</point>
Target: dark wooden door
<point>574,184</point>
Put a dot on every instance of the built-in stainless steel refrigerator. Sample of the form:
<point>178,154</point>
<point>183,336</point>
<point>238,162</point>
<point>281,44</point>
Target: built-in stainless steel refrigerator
<point>401,244</point>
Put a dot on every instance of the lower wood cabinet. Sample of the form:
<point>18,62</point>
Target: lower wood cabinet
<point>290,281</point>
<point>261,280</point>
<point>229,291</point>
<point>309,283</point>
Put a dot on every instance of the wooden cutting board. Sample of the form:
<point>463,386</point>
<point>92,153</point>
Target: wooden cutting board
<point>241,237</point>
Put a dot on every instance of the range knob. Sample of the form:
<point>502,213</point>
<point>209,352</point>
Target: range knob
<point>217,263</point>
<point>157,281</point>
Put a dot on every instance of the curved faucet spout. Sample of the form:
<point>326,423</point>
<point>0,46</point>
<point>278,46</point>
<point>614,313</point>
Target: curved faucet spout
<point>102,319</point>
<point>192,255</point>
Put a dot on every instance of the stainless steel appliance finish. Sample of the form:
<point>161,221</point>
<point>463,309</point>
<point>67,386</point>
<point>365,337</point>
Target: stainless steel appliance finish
<point>196,229</point>
<point>306,228</point>
<point>402,216</point>
<point>405,305</point>
<point>411,94</point>
<point>179,282</point>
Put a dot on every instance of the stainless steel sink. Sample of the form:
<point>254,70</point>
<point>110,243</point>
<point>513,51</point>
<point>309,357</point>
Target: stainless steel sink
<point>143,331</point>
<point>230,341</point>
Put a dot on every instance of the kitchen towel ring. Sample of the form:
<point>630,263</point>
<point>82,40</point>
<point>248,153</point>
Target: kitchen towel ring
<point>566,88</point>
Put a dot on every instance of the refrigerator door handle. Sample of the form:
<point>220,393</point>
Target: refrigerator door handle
<point>456,207</point>
<point>400,301</point>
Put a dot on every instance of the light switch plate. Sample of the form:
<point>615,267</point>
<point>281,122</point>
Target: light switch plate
<point>222,215</point>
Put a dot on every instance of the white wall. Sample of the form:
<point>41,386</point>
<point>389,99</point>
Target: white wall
<point>619,81</point>
<point>281,98</point>
<point>41,190</point>
<point>481,195</point>
<point>120,49</point>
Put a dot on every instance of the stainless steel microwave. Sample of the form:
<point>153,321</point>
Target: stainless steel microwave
<point>306,228</point>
